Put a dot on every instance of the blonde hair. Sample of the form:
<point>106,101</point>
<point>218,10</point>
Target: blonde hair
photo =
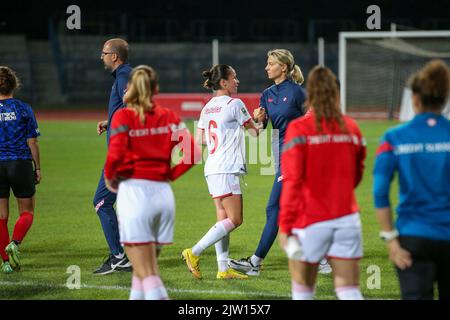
<point>432,85</point>
<point>323,97</point>
<point>142,85</point>
<point>284,56</point>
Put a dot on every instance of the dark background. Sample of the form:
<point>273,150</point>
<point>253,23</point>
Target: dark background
<point>242,21</point>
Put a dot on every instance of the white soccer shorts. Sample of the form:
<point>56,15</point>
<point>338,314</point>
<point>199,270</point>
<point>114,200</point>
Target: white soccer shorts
<point>146,212</point>
<point>223,185</point>
<point>339,238</point>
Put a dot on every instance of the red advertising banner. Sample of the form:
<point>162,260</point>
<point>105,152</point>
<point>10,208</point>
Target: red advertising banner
<point>189,105</point>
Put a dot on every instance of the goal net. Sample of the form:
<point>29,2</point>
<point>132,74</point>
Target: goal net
<point>374,68</point>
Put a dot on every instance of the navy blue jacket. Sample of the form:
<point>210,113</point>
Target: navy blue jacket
<point>121,75</point>
<point>283,103</point>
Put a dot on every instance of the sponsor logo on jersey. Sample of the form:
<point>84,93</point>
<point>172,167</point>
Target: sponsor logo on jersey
<point>270,100</point>
<point>409,148</point>
<point>431,122</point>
<point>8,116</point>
<point>155,131</point>
<point>244,111</point>
<point>213,110</point>
<point>102,202</point>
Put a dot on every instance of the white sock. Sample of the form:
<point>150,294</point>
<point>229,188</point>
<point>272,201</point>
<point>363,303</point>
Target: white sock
<point>349,293</point>
<point>301,292</point>
<point>255,260</point>
<point>120,255</point>
<point>222,253</point>
<point>154,288</point>
<point>217,232</point>
<point>137,290</point>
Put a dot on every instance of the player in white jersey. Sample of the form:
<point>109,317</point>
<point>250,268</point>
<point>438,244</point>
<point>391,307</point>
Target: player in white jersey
<point>221,128</point>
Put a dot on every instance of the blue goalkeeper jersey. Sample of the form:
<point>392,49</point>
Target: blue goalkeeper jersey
<point>17,124</point>
<point>420,152</point>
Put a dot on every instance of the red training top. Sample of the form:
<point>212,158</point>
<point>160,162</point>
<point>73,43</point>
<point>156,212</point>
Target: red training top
<point>320,171</point>
<point>143,151</point>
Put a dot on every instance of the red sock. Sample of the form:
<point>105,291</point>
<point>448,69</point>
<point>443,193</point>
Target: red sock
<point>4,238</point>
<point>22,226</point>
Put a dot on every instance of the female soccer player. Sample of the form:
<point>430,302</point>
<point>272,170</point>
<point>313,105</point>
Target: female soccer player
<point>419,151</point>
<point>221,125</point>
<point>20,167</point>
<point>138,168</point>
<point>281,103</point>
<point>322,161</point>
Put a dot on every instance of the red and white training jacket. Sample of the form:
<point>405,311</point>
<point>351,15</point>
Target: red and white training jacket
<point>320,172</point>
<point>143,151</point>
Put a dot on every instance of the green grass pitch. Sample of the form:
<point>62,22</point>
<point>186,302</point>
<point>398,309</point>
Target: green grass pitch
<point>66,231</point>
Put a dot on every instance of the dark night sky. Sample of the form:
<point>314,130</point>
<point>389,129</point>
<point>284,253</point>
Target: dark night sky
<point>33,16</point>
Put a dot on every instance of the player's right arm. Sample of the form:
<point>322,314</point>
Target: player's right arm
<point>383,173</point>
<point>192,153</point>
<point>252,128</point>
<point>360,156</point>
<point>240,113</point>
<point>102,126</point>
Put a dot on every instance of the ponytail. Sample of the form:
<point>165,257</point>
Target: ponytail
<point>141,88</point>
<point>297,75</point>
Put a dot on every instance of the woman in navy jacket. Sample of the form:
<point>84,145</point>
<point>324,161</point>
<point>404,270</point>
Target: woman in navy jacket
<point>281,103</point>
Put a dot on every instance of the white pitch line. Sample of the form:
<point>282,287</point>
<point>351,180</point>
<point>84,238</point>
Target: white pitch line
<point>87,286</point>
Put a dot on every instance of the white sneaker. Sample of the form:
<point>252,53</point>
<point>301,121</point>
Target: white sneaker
<point>324,267</point>
<point>245,266</point>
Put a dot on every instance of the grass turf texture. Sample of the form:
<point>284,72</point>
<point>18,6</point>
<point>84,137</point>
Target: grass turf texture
<point>66,230</point>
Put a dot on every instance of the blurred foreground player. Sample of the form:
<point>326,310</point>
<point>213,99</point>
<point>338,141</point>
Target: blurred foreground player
<point>138,168</point>
<point>20,167</point>
<point>323,162</point>
<point>419,151</point>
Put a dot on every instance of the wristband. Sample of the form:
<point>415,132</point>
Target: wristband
<point>389,235</point>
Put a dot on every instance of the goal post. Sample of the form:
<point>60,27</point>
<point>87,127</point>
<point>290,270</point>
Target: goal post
<point>374,67</point>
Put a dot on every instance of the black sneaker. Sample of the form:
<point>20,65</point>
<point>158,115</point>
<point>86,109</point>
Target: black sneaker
<point>245,266</point>
<point>125,265</point>
<point>112,264</point>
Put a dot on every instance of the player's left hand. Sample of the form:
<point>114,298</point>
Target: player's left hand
<point>37,176</point>
<point>112,185</point>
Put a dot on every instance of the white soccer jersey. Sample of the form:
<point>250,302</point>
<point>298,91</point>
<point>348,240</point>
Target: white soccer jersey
<point>223,118</point>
